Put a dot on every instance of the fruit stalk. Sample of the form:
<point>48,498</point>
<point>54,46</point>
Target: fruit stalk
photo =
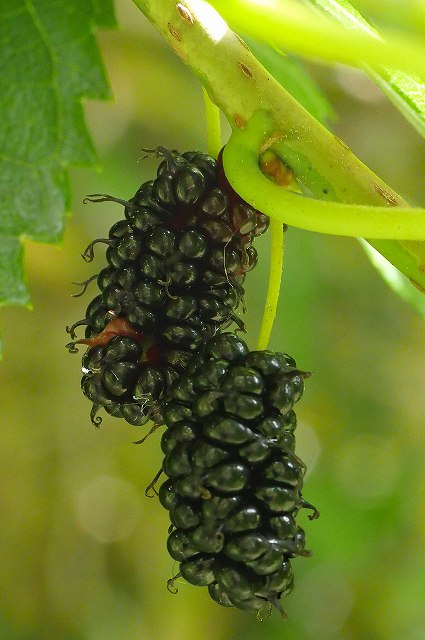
<point>277,231</point>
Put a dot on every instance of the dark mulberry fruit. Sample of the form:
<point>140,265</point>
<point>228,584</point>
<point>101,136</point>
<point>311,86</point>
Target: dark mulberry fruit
<point>176,264</point>
<point>234,483</point>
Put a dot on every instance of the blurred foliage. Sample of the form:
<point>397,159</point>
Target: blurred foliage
<point>82,550</point>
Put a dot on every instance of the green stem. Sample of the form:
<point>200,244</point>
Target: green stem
<point>240,86</point>
<point>297,28</point>
<point>275,277</point>
<point>405,262</point>
<point>241,166</point>
<point>212,114</point>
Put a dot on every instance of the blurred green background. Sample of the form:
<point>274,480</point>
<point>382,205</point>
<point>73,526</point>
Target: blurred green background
<point>82,551</point>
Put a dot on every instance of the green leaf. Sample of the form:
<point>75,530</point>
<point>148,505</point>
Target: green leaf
<point>408,95</point>
<point>408,14</point>
<point>396,280</point>
<point>50,61</point>
<point>407,92</point>
<point>291,74</point>
<point>12,287</point>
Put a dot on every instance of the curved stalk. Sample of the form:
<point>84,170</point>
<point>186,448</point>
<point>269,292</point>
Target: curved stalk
<point>241,166</point>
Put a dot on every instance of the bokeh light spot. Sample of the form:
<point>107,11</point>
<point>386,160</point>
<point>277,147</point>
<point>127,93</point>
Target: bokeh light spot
<point>308,446</point>
<point>108,508</point>
<point>367,467</point>
<point>330,599</point>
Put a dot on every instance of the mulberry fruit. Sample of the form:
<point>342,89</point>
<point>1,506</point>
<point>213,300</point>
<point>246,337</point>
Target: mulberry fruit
<point>234,481</point>
<point>174,278</point>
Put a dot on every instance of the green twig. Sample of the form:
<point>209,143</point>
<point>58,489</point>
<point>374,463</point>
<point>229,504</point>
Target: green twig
<point>240,86</point>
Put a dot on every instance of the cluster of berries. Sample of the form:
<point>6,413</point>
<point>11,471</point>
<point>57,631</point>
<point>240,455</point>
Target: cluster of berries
<point>158,351</point>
